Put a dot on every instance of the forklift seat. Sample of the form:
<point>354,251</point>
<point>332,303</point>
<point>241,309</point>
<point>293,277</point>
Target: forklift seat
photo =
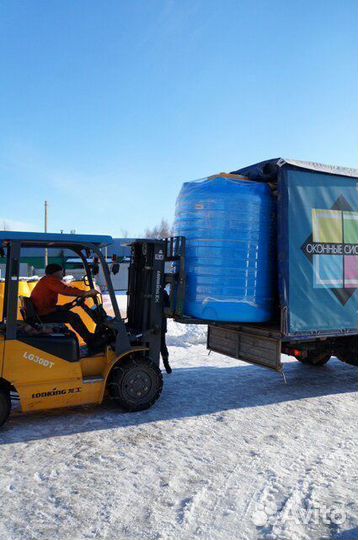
<point>62,342</point>
<point>28,311</point>
<point>30,316</point>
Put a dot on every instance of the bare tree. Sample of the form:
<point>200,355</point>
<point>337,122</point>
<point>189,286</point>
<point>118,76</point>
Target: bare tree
<point>163,230</point>
<point>5,226</point>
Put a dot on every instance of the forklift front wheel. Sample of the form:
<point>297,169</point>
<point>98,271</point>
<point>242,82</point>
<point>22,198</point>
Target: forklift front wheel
<point>5,405</point>
<point>136,383</point>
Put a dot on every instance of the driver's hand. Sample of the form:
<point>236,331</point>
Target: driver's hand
<point>91,293</point>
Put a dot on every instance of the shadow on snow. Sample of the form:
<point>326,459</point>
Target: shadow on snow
<point>352,534</point>
<point>191,392</point>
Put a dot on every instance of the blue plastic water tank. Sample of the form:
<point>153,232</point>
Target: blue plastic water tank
<point>228,223</point>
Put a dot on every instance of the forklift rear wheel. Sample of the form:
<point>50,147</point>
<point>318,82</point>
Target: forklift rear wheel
<point>5,406</point>
<point>136,383</point>
<point>316,358</point>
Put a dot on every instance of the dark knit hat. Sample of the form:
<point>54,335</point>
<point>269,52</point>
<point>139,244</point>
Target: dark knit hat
<point>52,268</point>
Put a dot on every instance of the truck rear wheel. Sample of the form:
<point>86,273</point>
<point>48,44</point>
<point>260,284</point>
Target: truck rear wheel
<point>5,406</point>
<point>346,349</point>
<point>348,358</point>
<point>136,383</point>
<point>316,358</point>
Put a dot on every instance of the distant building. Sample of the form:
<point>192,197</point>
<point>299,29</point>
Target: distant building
<point>33,259</point>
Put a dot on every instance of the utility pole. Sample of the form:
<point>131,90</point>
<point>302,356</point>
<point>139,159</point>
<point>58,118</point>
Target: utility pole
<point>46,223</point>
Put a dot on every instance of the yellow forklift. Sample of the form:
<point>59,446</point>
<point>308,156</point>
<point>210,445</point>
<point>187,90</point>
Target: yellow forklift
<point>43,365</point>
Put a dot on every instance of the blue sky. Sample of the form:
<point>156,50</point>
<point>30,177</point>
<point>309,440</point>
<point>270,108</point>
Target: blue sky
<point>106,107</point>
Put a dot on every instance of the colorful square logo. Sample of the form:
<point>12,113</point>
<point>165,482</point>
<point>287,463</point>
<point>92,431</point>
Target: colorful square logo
<point>327,226</point>
<point>332,249</point>
<point>328,271</point>
<point>351,272</point>
<point>335,238</point>
<point>350,220</point>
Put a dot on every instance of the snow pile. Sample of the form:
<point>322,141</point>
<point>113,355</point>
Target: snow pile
<point>185,335</point>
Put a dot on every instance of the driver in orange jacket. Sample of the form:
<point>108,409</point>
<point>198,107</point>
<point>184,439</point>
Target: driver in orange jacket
<point>45,296</point>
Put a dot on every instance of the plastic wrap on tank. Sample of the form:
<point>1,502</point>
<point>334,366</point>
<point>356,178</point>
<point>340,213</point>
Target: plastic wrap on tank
<point>228,222</point>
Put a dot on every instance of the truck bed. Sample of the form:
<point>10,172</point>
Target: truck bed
<point>269,329</point>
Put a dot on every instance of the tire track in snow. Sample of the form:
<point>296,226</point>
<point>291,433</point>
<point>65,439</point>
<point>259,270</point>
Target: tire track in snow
<point>200,514</point>
<point>289,518</point>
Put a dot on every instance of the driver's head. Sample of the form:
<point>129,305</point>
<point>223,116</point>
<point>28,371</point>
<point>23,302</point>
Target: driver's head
<point>54,270</point>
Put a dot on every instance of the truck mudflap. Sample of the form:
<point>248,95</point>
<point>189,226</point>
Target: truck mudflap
<point>246,345</point>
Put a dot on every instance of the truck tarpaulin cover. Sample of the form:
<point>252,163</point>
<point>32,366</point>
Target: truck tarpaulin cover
<point>319,251</point>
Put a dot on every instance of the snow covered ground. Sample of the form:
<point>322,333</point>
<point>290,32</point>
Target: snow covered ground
<point>229,452</point>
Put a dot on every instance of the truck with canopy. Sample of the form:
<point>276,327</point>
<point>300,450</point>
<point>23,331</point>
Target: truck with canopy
<point>316,250</point>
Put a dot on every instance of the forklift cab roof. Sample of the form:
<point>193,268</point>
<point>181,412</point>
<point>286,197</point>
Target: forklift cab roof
<point>35,239</point>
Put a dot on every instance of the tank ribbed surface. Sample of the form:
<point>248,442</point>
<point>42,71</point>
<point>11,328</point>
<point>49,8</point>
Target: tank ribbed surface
<point>228,226</point>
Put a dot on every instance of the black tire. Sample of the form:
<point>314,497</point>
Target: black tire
<point>348,358</point>
<point>347,350</point>
<point>136,383</point>
<point>5,406</point>
<point>316,358</point>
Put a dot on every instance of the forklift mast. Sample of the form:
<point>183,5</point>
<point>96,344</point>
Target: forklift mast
<point>145,285</point>
<point>149,273</point>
